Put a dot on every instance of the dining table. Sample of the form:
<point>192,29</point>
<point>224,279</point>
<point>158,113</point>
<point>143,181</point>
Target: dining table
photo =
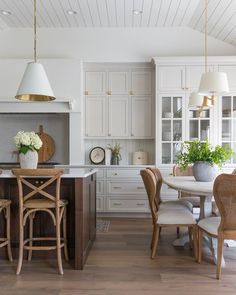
<point>204,190</point>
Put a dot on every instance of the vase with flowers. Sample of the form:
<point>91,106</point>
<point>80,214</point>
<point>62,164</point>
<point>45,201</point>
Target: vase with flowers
<point>115,153</point>
<point>28,144</point>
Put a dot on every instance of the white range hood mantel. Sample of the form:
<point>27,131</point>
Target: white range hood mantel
<point>56,106</point>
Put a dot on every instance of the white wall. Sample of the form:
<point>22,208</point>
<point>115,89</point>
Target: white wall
<point>114,45</point>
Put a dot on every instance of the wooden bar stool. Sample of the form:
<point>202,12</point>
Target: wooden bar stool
<point>35,196</point>
<point>6,241</point>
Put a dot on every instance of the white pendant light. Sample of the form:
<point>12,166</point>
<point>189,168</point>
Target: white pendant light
<point>35,85</point>
<point>212,83</point>
<point>195,100</point>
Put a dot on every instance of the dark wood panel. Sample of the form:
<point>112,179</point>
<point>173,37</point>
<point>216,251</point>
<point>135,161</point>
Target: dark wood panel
<point>81,217</point>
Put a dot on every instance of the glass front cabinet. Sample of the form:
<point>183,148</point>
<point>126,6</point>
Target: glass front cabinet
<point>178,123</point>
<point>228,123</point>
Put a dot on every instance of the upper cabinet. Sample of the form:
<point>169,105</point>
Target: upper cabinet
<point>230,70</point>
<point>141,83</point>
<point>118,82</point>
<point>95,83</point>
<point>180,78</point>
<point>119,102</point>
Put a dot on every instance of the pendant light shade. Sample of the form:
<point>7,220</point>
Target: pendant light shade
<point>213,83</point>
<point>195,100</point>
<point>34,85</point>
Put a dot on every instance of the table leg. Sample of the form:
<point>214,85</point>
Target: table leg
<point>205,207</point>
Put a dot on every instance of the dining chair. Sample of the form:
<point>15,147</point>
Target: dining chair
<point>215,209</point>
<point>224,226</point>
<point>37,195</point>
<point>194,200</point>
<point>165,216</point>
<point>5,209</point>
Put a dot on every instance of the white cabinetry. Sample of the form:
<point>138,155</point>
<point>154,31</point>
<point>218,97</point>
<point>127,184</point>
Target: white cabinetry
<point>141,116</point>
<point>230,70</point>
<point>124,106</point>
<point>95,113</point>
<point>180,77</point>
<point>176,78</point>
<point>118,116</point>
<point>121,190</point>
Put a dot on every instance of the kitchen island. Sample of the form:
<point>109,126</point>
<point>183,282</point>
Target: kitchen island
<point>78,186</point>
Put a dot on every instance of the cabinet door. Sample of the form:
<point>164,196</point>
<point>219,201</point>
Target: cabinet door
<point>141,82</point>
<point>95,83</point>
<point>171,78</point>
<point>118,116</point>
<point>228,129</point>
<point>171,133</point>
<point>141,117</point>
<point>193,76</point>
<point>231,74</point>
<point>95,116</point>
<point>118,83</point>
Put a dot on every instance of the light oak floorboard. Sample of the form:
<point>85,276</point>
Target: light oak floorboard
<point>120,263</point>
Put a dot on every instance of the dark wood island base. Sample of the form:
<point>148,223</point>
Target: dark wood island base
<point>79,188</point>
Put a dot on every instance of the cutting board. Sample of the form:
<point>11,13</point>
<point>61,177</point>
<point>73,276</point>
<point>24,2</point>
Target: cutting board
<point>48,148</point>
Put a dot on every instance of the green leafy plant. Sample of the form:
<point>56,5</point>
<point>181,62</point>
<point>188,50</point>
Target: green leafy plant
<point>195,151</point>
<point>115,149</point>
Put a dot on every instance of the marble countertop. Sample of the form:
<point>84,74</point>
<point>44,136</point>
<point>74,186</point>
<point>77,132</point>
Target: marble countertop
<point>68,173</point>
<point>103,166</point>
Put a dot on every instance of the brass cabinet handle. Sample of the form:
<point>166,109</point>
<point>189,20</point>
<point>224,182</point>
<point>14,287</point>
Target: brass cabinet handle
<point>117,187</point>
<point>117,204</point>
<point>140,204</point>
<point>140,187</point>
<point>108,92</point>
<point>131,92</point>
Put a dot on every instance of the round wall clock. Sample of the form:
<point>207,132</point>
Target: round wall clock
<point>97,155</point>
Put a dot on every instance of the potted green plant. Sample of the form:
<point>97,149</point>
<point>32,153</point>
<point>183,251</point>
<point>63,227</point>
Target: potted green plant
<point>115,153</point>
<point>204,157</point>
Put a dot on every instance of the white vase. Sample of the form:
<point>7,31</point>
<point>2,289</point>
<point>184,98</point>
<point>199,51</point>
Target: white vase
<point>204,171</point>
<point>29,160</point>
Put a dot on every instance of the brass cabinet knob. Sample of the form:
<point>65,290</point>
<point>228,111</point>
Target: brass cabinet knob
<point>85,92</point>
<point>131,92</point>
<point>108,92</point>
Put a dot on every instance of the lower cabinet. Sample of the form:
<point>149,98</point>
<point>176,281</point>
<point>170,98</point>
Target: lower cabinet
<point>120,190</point>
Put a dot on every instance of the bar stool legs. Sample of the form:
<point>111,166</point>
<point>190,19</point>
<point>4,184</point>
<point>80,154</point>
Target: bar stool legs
<point>5,208</point>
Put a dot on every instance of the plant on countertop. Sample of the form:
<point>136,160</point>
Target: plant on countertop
<point>27,141</point>
<point>197,151</point>
<point>115,149</point>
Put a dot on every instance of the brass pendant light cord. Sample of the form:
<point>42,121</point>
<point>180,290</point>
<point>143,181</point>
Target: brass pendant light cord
<point>35,51</point>
<point>206,35</point>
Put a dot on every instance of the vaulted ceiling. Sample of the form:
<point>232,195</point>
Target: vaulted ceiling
<point>120,13</point>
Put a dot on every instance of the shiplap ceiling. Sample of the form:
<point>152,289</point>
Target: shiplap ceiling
<point>119,13</point>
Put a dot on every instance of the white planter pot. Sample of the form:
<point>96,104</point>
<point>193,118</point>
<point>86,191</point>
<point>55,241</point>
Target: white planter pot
<point>29,160</point>
<point>203,171</point>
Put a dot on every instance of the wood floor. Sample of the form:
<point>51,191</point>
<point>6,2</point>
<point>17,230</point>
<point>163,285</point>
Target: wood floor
<point>119,263</point>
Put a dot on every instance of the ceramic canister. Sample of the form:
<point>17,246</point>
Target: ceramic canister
<point>140,158</point>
